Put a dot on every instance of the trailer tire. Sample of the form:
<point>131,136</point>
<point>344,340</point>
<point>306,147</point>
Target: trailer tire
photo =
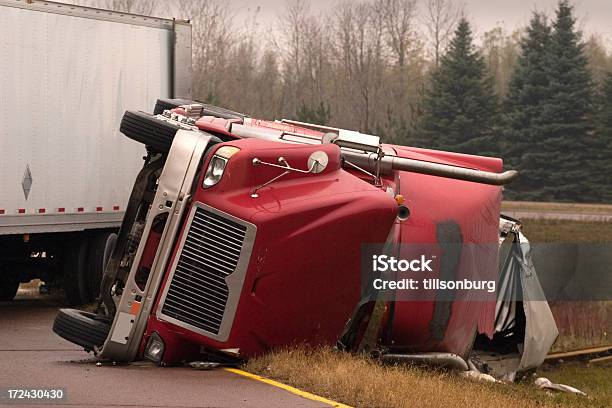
<point>9,284</point>
<point>75,271</point>
<point>83,328</point>
<point>100,249</point>
<point>144,128</point>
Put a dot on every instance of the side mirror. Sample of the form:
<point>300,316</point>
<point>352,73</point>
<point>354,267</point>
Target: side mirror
<point>317,162</point>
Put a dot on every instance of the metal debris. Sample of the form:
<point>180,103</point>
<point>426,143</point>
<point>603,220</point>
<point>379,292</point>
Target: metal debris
<point>203,365</point>
<point>478,376</point>
<point>545,383</point>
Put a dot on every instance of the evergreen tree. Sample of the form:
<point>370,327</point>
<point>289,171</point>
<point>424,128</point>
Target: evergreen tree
<point>604,135</point>
<point>604,115</point>
<point>529,91</point>
<point>567,136</point>
<point>548,133</point>
<point>460,106</point>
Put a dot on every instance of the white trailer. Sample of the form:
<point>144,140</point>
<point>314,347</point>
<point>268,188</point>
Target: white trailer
<point>68,74</point>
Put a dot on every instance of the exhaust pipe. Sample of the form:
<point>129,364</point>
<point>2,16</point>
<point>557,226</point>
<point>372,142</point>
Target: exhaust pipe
<point>434,359</point>
<point>370,161</point>
<point>454,172</point>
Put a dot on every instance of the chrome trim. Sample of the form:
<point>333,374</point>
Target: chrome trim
<point>234,280</point>
<point>58,222</point>
<point>174,186</point>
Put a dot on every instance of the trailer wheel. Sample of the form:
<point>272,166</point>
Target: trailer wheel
<point>100,248</point>
<point>75,270</point>
<point>147,129</point>
<point>9,284</point>
<point>83,328</point>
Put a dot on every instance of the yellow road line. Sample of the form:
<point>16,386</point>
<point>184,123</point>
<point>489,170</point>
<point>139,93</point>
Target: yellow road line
<point>286,387</point>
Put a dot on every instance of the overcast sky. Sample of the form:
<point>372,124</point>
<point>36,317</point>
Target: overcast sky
<point>593,15</point>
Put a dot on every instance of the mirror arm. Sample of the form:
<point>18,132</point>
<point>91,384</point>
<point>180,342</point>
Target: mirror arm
<point>283,165</point>
<point>254,192</point>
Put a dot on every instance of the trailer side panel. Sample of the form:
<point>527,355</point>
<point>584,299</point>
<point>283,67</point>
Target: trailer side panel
<point>65,82</point>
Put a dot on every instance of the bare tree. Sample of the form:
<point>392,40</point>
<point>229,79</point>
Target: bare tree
<point>268,86</point>
<point>398,19</point>
<point>440,19</point>
<point>358,45</point>
<point>294,22</point>
<point>212,39</point>
<point>146,7</point>
<point>500,51</point>
<point>599,56</point>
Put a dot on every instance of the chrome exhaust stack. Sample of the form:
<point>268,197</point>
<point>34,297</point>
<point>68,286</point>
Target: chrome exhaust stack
<point>373,163</point>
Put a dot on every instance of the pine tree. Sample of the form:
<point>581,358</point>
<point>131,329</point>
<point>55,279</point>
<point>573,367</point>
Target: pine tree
<point>604,135</point>
<point>604,115</point>
<point>460,106</point>
<point>548,133</point>
<point>567,136</point>
<point>529,91</point>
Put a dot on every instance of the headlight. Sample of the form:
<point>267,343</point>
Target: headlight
<point>154,351</point>
<point>217,164</point>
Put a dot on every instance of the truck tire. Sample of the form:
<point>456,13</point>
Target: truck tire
<point>100,248</point>
<point>147,129</point>
<point>76,287</point>
<point>83,328</point>
<point>9,284</point>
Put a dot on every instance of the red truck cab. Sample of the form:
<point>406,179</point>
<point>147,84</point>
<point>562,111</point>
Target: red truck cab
<point>244,235</point>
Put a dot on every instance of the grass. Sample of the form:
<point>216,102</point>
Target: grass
<point>595,380</point>
<point>362,382</point>
<point>542,230</point>
<point>581,324</point>
<point>557,207</point>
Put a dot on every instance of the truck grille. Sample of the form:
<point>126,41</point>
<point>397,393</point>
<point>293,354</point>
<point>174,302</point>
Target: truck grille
<point>198,292</point>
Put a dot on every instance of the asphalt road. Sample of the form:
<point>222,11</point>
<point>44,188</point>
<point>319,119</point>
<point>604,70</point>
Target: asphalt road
<point>32,356</point>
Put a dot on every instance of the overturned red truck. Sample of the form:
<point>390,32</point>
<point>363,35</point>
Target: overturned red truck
<point>244,235</point>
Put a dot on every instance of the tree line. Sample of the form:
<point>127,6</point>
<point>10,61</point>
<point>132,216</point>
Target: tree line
<point>412,72</point>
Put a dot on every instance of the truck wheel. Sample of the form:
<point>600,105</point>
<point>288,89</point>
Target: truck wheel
<point>82,328</point>
<point>100,248</point>
<point>9,284</point>
<point>147,129</point>
<point>76,287</point>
